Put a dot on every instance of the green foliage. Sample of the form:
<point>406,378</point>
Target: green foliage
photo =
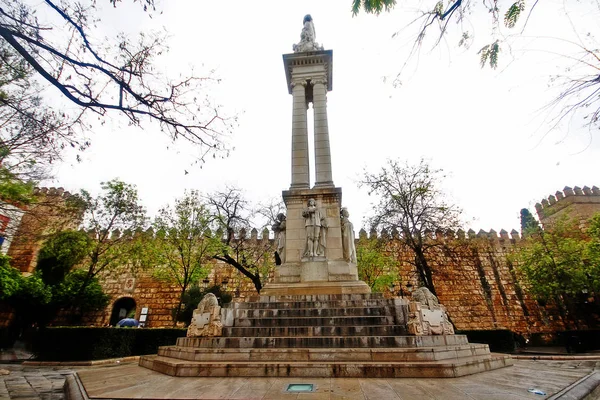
<point>372,6</point>
<point>562,261</point>
<point>34,291</point>
<point>442,11</point>
<point>489,52</point>
<point>184,243</point>
<point>10,278</point>
<point>513,13</point>
<point>69,290</point>
<point>528,223</point>
<point>81,344</point>
<point>61,253</point>
<point>14,190</point>
<point>117,209</point>
<point>376,266</point>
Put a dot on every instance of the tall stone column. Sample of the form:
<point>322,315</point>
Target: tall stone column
<point>300,165</point>
<point>322,150</point>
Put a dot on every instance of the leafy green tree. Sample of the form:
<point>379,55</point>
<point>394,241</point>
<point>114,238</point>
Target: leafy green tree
<point>57,265</point>
<point>376,266</point>
<point>10,278</point>
<point>31,302</point>
<point>561,262</point>
<point>184,244</point>
<point>528,222</point>
<point>409,201</point>
<point>61,253</point>
<point>67,291</point>
<point>109,219</point>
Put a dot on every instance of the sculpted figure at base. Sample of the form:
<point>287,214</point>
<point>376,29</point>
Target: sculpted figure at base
<point>316,230</point>
<point>206,320</point>
<point>426,316</point>
<point>347,236</point>
<point>307,37</point>
<point>279,229</point>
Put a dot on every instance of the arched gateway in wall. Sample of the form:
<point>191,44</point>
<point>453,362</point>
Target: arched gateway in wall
<point>121,309</point>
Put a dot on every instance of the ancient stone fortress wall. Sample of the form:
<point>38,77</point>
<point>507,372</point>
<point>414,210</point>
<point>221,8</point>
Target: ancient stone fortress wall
<point>53,211</point>
<point>475,280</point>
<point>578,202</point>
<point>473,276</point>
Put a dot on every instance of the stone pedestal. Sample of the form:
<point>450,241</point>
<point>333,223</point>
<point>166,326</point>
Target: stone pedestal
<point>300,274</point>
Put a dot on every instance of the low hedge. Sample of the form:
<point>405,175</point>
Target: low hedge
<point>499,340</point>
<point>580,341</point>
<point>88,343</point>
<point>8,335</point>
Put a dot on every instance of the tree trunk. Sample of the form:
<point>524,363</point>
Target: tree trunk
<point>178,309</point>
<point>423,269</point>
<point>255,278</point>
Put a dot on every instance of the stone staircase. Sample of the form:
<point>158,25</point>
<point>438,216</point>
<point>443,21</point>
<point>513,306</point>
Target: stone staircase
<point>345,335</point>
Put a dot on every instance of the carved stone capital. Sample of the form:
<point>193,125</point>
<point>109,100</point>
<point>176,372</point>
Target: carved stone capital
<point>319,81</point>
<point>296,82</point>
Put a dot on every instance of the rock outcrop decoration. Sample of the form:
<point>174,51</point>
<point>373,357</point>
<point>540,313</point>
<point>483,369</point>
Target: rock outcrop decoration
<point>206,320</point>
<point>426,316</point>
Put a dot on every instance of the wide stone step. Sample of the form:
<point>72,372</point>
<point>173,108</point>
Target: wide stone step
<point>314,304</point>
<point>315,321</point>
<point>316,297</point>
<point>356,354</point>
<point>330,342</point>
<point>311,331</point>
<point>361,369</point>
<point>312,312</point>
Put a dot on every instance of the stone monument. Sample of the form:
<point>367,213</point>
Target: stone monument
<point>317,319</point>
<point>316,261</point>
<point>206,319</point>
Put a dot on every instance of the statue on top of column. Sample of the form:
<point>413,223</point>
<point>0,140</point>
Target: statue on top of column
<point>316,230</point>
<point>307,37</point>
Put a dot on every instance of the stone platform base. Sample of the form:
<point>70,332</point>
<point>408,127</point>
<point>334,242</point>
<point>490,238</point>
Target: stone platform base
<point>322,335</point>
<point>452,368</point>
<point>315,288</point>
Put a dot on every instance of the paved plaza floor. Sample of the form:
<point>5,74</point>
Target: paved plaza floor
<point>565,379</point>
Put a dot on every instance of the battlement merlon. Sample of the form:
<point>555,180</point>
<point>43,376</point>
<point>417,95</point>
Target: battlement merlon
<point>581,202</point>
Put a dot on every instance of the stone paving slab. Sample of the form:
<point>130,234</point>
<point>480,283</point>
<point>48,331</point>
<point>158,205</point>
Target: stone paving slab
<point>129,381</point>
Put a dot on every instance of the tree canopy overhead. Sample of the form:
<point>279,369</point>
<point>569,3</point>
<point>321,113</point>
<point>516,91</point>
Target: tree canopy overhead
<point>451,24</point>
<point>55,42</point>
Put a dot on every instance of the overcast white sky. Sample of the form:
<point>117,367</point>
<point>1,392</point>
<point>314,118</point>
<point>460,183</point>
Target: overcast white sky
<point>481,126</point>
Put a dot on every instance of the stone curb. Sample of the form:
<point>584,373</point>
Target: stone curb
<point>80,363</point>
<point>137,358</point>
<point>579,389</point>
<point>73,389</point>
<point>554,358</point>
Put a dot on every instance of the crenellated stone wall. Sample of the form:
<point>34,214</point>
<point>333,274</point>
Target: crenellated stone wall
<point>473,275</point>
<point>475,279</point>
<point>574,202</point>
<point>54,210</point>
